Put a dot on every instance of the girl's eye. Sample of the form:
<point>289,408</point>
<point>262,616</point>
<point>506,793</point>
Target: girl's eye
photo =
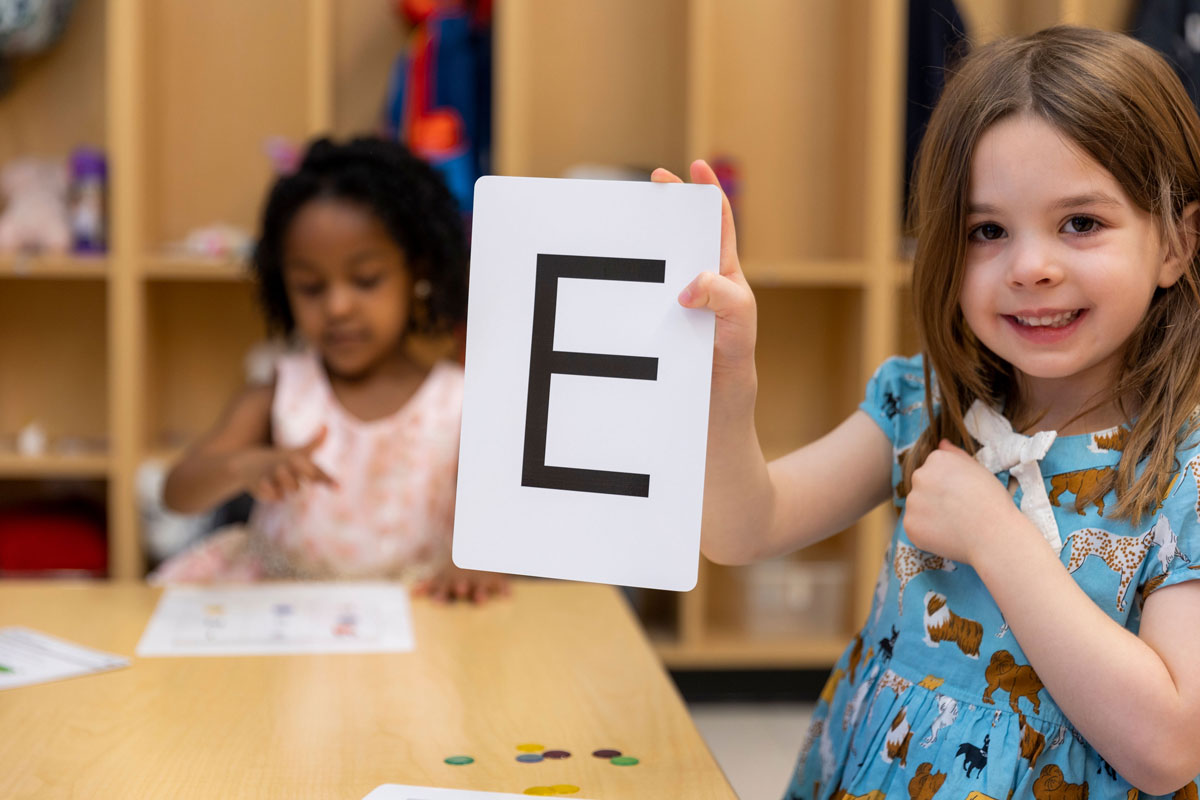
<point>309,289</point>
<point>367,281</point>
<point>988,231</point>
<point>1081,224</point>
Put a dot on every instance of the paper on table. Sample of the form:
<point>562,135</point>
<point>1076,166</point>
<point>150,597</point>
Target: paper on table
<point>392,791</point>
<point>279,618</point>
<point>28,657</point>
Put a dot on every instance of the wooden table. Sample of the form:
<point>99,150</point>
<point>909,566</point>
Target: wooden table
<point>560,664</point>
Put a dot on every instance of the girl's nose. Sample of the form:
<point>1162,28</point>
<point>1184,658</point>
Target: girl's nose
<point>1034,264</point>
<point>339,300</point>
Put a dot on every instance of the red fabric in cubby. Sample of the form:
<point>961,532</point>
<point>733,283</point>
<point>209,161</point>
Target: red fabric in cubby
<point>48,542</point>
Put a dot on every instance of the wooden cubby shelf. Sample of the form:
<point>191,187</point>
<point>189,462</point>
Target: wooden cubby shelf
<point>53,267</point>
<point>194,268</point>
<point>14,466</point>
<point>142,348</point>
<point>815,274</point>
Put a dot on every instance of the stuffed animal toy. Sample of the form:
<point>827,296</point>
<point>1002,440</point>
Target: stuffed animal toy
<point>35,217</point>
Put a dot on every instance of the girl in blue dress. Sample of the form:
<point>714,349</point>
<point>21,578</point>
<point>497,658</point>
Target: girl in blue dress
<point>1036,625</point>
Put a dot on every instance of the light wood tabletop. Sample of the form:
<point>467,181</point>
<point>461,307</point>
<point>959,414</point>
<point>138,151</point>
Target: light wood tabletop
<point>559,664</point>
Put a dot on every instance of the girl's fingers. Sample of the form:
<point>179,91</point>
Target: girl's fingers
<point>285,480</point>
<point>267,491</point>
<point>717,293</point>
<point>661,175</point>
<point>306,468</point>
<point>313,443</point>
<point>703,173</point>
<point>945,444</point>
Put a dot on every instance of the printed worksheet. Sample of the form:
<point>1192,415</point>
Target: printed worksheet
<point>280,618</point>
<point>392,791</point>
<point>27,657</point>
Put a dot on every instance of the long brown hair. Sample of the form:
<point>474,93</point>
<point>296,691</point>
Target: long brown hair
<point>1120,103</point>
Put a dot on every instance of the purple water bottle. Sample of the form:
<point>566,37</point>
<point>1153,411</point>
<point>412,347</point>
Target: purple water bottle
<point>89,179</point>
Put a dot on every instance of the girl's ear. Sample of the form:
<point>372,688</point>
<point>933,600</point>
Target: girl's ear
<point>1188,236</point>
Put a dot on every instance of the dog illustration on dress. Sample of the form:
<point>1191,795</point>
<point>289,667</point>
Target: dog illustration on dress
<point>887,645</point>
<point>925,783</point>
<point>831,685</point>
<point>895,744</point>
<point>931,682</point>
<point>854,707</point>
<point>1082,483</point>
<point>947,713</point>
<point>1032,741</point>
<point>943,625</point>
<point>856,655</point>
<point>1189,792</point>
<point>911,562</point>
<point>1122,554</point>
<point>817,735</point>
<point>1019,680</point>
<point>1051,785</point>
<point>974,758</point>
<point>890,680</point>
<point>1112,439</point>
<point>1168,544</point>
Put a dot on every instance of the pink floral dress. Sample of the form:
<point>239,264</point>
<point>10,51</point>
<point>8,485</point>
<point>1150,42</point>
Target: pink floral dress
<point>393,509</point>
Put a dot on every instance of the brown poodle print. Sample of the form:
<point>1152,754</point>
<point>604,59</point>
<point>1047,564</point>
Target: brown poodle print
<point>1051,785</point>
<point>1188,792</point>
<point>1083,484</point>
<point>943,625</point>
<point>1019,680</point>
<point>925,783</point>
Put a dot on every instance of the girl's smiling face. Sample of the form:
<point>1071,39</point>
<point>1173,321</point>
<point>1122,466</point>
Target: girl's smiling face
<point>1060,266</point>
<point>348,285</point>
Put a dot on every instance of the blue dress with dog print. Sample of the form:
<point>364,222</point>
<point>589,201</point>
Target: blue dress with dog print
<point>934,697</point>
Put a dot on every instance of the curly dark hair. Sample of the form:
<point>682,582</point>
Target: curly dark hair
<point>406,194</point>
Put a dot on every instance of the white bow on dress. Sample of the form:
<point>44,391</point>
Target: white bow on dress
<point>1003,449</point>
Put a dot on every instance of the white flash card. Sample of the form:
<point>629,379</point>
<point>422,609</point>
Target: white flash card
<point>585,409</point>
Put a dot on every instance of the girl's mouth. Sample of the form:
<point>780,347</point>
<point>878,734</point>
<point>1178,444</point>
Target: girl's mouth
<point>1059,320</point>
<point>1047,327</point>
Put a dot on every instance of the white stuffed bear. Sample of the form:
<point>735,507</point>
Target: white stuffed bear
<point>35,217</point>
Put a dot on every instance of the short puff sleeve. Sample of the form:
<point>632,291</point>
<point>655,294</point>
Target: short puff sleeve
<point>1175,557</point>
<point>895,400</point>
